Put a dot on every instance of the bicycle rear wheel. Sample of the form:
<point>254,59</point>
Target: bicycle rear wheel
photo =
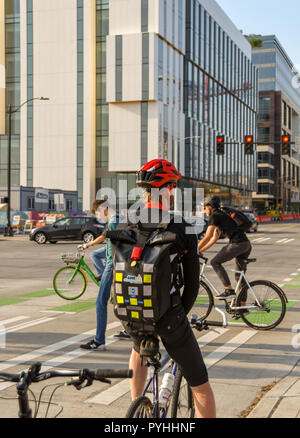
<point>271,310</point>
<point>204,301</point>
<point>141,407</point>
<point>182,403</point>
<point>67,285</point>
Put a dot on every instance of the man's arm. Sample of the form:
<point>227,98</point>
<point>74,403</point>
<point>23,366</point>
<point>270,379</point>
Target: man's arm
<point>211,236</point>
<point>98,240</point>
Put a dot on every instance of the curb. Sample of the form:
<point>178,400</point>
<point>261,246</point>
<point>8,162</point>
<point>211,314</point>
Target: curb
<point>283,400</point>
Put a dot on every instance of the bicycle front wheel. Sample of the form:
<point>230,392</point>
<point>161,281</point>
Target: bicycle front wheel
<point>69,284</point>
<point>204,301</point>
<point>182,403</point>
<point>140,408</point>
<point>271,308</point>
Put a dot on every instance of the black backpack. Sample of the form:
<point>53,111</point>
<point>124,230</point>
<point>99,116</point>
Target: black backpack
<point>147,273</point>
<point>239,218</point>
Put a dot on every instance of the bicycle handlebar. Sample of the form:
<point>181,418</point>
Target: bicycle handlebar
<point>200,324</point>
<point>36,376</point>
<point>203,258</point>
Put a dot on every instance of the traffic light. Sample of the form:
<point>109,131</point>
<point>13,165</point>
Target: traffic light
<point>249,145</point>
<point>286,145</point>
<point>220,145</point>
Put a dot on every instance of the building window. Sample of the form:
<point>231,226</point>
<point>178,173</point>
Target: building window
<point>145,67</point>
<point>144,133</point>
<point>119,65</point>
<point>69,205</point>
<point>144,15</point>
<point>51,204</point>
<point>264,109</point>
<point>30,203</point>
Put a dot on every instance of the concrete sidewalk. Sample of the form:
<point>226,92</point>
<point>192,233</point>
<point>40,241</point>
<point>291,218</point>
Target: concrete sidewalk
<point>283,400</point>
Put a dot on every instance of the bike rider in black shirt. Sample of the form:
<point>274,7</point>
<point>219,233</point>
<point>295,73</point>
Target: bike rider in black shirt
<point>173,328</point>
<point>239,246</point>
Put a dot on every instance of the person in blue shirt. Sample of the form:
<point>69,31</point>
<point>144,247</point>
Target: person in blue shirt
<point>98,256</point>
<point>109,215</point>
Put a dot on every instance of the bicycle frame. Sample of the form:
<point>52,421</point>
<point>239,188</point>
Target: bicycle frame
<point>82,264</point>
<point>158,366</point>
<point>242,276</point>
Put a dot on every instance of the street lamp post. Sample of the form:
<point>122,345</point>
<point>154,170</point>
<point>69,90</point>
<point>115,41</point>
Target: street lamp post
<point>10,112</point>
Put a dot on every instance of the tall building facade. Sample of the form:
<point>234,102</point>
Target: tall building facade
<point>278,114</point>
<point>179,73</point>
<point>128,81</point>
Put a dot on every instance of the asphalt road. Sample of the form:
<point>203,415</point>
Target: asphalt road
<point>41,326</point>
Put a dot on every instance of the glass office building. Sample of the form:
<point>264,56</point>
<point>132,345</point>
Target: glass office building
<point>128,81</point>
<point>202,84</point>
<point>278,114</point>
<point>220,97</point>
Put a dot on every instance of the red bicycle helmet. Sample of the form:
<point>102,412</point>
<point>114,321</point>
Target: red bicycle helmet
<point>157,174</point>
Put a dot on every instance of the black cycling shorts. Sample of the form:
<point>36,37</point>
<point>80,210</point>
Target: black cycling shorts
<point>179,341</point>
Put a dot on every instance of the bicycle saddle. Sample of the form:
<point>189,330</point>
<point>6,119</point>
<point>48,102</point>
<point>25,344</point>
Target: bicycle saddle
<point>249,260</point>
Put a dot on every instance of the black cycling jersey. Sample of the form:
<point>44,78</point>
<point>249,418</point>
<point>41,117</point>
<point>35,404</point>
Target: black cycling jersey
<point>228,226</point>
<point>187,244</point>
<point>173,328</point>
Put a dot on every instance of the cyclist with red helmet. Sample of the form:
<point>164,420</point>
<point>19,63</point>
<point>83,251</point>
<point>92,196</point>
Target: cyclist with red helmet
<point>158,179</point>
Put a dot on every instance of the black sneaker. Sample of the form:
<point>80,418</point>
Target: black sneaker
<point>122,335</point>
<point>93,345</point>
<point>227,295</point>
<point>98,277</point>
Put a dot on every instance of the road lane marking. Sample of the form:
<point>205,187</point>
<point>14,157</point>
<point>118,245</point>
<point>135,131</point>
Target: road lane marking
<point>264,239</point>
<point>287,279</point>
<point>28,324</point>
<point>257,240</point>
<point>110,395</point>
<point>287,241</point>
<point>33,355</point>
<point>15,319</point>
<point>228,347</point>
<point>282,240</point>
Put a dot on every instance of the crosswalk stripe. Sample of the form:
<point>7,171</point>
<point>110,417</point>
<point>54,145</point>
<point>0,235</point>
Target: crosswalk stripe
<point>228,348</point>
<point>28,324</point>
<point>281,240</point>
<point>113,393</point>
<point>15,319</point>
<point>289,240</point>
<point>33,355</point>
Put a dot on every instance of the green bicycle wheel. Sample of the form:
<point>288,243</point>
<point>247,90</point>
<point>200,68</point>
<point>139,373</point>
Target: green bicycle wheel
<point>67,285</point>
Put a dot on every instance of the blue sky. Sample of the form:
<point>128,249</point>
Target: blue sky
<point>268,17</point>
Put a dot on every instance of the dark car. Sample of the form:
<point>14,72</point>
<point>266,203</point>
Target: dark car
<point>84,228</point>
<point>254,223</point>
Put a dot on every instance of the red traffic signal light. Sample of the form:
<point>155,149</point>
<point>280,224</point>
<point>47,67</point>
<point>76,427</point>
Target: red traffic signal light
<point>286,139</point>
<point>286,145</point>
<point>220,145</point>
<point>249,145</point>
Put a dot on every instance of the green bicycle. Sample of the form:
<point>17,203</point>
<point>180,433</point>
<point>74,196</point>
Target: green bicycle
<point>70,282</point>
